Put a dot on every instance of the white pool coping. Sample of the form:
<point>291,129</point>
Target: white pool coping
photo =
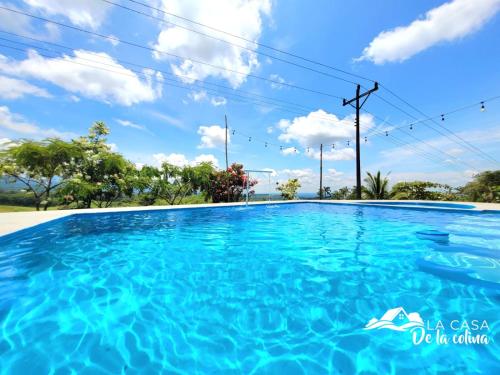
<point>11,222</point>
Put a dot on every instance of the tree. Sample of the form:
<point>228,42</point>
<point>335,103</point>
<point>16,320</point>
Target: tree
<point>40,166</point>
<point>98,175</point>
<point>376,186</point>
<point>327,192</point>
<point>172,183</point>
<point>345,193</point>
<point>228,186</point>
<point>485,187</point>
<point>419,190</point>
<point>289,189</point>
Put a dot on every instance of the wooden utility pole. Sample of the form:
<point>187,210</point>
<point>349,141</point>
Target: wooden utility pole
<point>358,106</point>
<point>227,164</point>
<point>321,171</point>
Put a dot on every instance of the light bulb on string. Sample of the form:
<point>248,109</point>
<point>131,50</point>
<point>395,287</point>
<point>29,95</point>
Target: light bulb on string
<point>386,133</point>
<point>249,139</point>
<point>411,126</point>
<point>265,145</point>
<point>333,146</point>
<point>482,107</point>
<point>442,117</point>
<point>281,148</point>
<point>295,149</point>
<point>348,143</point>
<point>234,131</point>
<point>308,150</point>
<point>366,139</point>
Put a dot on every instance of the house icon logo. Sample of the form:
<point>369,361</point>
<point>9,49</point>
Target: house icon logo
<point>396,319</point>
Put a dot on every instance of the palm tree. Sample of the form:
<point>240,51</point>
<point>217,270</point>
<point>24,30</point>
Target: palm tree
<point>376,186</point>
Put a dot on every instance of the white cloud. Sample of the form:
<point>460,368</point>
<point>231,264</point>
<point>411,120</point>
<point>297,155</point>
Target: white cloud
<point>321,127</point>
<point>243,18</point>
<point>168,119</point>
<point>446,23</point>
<point>12,88</point>
<point>212,136</point>
<point>269,130</point>
<point>279,81</point>
<point>20,24</point>
<point>198,96</point>
<point>290,151</point>
<point>332,154</point>
<point>180,160</point>
<point>6,143</point>
<point>19,125</point>
<point>125,88</point>
<point>203,158</point>
<point>113,147</point>
<point>218,101</point>
<point>87,13</point>
<point>130,124</point>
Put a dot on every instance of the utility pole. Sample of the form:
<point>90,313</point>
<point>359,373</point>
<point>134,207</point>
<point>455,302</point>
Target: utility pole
<point>321,171</point>
<point>227,164</point>
<point>358,106</point>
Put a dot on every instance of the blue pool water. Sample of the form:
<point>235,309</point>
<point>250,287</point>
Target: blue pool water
<point>274,289</point>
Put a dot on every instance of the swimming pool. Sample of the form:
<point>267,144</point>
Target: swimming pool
<point>267,289</point>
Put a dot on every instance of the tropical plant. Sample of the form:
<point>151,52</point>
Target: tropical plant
<point>419,190</point>
<point>228,185</point>
<point>485,187</point>
<point>327,192</point>
<point>344,193</point>
<point>376,186</point>
<point>98,175</point>
<point>40,166</point>
<point>289,189</point>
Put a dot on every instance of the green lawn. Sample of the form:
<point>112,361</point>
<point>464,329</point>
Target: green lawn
<point>8,208</point>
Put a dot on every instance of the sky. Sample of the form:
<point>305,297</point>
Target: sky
<point>277,69</point>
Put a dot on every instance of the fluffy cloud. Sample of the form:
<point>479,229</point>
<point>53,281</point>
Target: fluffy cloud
<point>201,96</point>
<point>218,101</point>
<point>447,22</point>
<point>242,18</point>
<point>11,88</point>
<point>280,80</point>
<point>290,151</point>
<point>86,13</point>
<point>181,160</point>
<point>321,127</point>
<point>333,154</point>
<point>212,136</point>
<point>20,24</point>
<point>19,125</point>
<point>124,88</point>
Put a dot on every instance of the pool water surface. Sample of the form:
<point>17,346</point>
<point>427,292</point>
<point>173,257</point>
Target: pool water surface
<point>281,289</point>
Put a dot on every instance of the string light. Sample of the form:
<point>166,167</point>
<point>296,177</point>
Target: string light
<point>386,133</point>
<point>265,145</point>
<point>411,126</point>
<point>249,139</point>
<point>366,139</point>
<point>348,143</point>
<point>281,148</point>
<point>482,107</point>
<point>333,146</point>
<point>234,131</point>
<point>295,150</point>
<point>442,117</point>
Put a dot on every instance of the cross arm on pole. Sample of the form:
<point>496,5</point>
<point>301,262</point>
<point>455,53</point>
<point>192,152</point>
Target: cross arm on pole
<point>366,93</point>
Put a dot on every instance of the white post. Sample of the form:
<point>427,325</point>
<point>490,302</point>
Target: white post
<point>248,178</point>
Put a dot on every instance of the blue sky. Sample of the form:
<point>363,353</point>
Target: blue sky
<point>437,55</point>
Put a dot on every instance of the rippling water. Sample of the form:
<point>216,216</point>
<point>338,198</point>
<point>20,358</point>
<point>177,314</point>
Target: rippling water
<point>271,289</point>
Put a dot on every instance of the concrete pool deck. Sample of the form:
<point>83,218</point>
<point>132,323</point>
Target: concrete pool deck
<point>11,222</point>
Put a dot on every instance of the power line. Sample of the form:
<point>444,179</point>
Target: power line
<point>133,44</point>
<point>239,98</point>
<point>228,42</point>
<point>253,41</point>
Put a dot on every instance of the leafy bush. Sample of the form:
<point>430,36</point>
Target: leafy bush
<point>228,186</point>
<point>289,189</point>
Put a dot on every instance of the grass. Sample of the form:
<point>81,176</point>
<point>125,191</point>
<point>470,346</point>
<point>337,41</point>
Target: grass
<point>9,208</point>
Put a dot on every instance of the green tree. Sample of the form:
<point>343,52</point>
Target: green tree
<point>485,187</point>
<point>327,192</point>
<point>172,183</point>
<point>289,189</point>
<point>98,175</point>
<point>40,166</point>
<point>345,193</point>
<point>376,186</point>
<point>417,190</point>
